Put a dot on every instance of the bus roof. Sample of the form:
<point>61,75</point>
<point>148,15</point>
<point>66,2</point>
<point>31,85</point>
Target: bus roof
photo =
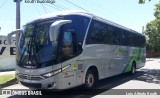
<point>81,13</point>
<point>63,13</point>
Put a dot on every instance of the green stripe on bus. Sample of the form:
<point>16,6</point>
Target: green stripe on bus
<point>135,56</point>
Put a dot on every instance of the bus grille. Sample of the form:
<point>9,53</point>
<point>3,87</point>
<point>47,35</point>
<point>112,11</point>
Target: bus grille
<point>29,77</point>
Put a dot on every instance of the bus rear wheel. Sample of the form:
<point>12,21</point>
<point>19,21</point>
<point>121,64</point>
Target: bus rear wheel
<point>133,69</point>
<point>90,79</point>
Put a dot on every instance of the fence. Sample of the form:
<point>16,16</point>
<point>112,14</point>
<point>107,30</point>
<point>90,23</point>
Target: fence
<point>153,54</point>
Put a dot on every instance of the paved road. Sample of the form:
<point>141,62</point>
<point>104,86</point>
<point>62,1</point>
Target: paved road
<point>146,78</point>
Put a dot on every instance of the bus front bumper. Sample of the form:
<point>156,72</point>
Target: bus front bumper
<point>37,82</point>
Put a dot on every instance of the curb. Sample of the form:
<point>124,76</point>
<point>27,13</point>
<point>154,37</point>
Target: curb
<point>7,70</point>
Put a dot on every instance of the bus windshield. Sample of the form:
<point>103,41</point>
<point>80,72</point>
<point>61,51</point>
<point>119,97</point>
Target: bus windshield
<point>35,46</point>
<point>35,50</point>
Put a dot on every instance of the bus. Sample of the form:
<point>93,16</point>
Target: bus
<point>72,48</point>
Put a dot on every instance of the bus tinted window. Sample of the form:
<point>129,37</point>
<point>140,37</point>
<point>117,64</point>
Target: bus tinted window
<point>97,35</point>
<point>79,25</point>
<point>102,33</point>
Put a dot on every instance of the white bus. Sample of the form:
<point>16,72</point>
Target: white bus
<point>70,48</point>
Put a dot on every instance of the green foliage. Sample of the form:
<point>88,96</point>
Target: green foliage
<point>153,33</point>
<point>5,78</point>
<point>153,30</point>
<point>157,11</point>
<point>142,1</point>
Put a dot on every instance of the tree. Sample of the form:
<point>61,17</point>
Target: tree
<point>153,30</point>
<point>153,33</point>
<point>157,11</point>
<point>142,1</point>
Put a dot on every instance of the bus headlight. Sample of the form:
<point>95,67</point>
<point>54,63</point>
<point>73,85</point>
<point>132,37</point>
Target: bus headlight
<point>52,73</point>
<point>47,75</point>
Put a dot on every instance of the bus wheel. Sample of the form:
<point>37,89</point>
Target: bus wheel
<point>133,69</point>
<point>90,79</point>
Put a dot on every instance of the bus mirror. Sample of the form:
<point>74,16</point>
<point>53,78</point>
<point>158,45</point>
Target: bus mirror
<point>9,36</point>
<point>54,29</point>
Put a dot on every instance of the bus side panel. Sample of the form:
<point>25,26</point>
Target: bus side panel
<point>137,55</point>
<point>79,72</point>
<point>98,55</point>
<point>68,76</point>
<point>141,58</point>
<point>121,57</point>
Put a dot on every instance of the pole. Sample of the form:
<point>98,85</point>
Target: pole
<point>18,14</point>
<point>142,29</point>
<point>17,21</point>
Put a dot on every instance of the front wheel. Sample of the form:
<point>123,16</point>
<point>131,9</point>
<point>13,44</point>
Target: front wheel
<point>90,79</point>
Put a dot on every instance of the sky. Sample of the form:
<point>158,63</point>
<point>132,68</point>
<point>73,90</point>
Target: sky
<point>128,13</point>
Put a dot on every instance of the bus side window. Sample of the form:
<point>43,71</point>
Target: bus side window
<point>67,46</point>
<point>70,46</point>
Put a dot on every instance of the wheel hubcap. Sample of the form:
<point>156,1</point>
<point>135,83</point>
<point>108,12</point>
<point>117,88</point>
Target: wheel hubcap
<point>90,80</point>
<point>133,70</point>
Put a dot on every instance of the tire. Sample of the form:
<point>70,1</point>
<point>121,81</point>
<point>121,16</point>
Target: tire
<point>133,69</point>
<point>90,80</point>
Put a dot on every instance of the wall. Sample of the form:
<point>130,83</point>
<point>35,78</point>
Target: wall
<point>7,54</point>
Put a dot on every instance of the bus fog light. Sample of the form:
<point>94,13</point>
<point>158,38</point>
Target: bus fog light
<point>51,85</point>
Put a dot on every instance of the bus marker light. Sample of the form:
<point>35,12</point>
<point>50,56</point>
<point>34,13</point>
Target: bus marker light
<point>74,66</point>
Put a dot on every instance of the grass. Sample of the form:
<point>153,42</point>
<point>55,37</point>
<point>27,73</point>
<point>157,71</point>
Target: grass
<point>6,78</point>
